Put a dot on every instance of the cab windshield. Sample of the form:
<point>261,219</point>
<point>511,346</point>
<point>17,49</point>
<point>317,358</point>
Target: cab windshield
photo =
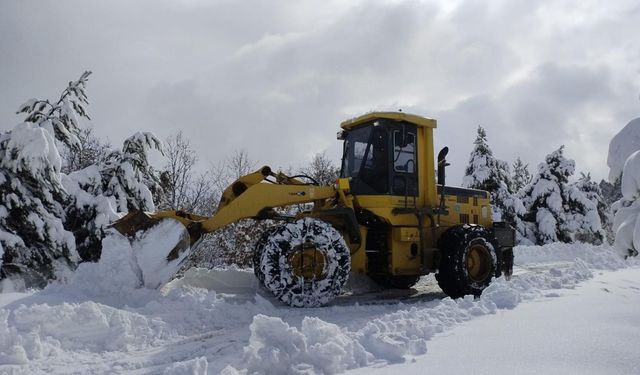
<point>380,158</point>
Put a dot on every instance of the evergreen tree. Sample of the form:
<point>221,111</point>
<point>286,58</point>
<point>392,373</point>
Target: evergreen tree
<point>485,172</point>
<point>480,173</point>
<point>60,119</point>
<point>521,176</point>
<point>34,245</point>
<point>611,192</point>
<point>556,210</point>
<point>89,211</point>
<point>102,192</point>
<point>593,192</point>
<point>127,175</point>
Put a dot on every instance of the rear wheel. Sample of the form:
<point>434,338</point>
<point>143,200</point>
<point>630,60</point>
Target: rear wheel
<point>470,259</point>
<point>304,264</point>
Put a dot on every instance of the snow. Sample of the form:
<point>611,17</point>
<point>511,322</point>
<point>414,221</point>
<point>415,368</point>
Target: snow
<point>30,162</point>
<point>631,177</point>
<point>82,185</point>
<point>36,150</point>
<point>104,320</point>
<point>196,366</point>
<point>590,330</point>
<point>156,270</point>
<point>626,225</point>
<point>622,145</point>
<point>563,212</point>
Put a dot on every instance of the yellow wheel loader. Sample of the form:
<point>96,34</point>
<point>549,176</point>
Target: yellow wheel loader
<point>389,215</point>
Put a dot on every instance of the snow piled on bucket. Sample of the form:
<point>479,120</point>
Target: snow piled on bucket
<point>126,273</point>
<point>152,247</point>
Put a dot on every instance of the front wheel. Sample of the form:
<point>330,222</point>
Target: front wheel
<point>470,259</point>
<point>305,263</point>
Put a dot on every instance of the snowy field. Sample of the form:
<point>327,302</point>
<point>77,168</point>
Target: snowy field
<point>570,309</point>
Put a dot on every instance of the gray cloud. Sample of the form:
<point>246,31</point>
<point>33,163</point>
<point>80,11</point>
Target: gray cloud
<point>276,78</point>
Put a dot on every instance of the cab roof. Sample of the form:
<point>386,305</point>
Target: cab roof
<point>394,116</point>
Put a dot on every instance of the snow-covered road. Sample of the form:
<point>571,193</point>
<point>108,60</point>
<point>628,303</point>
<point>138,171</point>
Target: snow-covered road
<point>213,321</point>
<point>592,329</point>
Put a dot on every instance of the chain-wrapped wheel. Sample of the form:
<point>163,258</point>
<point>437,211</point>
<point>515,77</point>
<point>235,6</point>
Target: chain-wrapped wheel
<point>304,264</point>
<point>257,254</point>
<point>471,258</point>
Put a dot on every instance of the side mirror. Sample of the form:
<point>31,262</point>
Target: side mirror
<point>442,164</point>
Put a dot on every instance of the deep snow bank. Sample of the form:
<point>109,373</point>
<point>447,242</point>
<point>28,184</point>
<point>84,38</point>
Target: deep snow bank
<point>95,318</point>
<point>621,146</point>
<point>40,330</point>
<point>626,225</point>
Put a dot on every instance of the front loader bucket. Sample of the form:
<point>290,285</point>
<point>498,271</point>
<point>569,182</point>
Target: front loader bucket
<point>135,221</point>
<point>139,221</point>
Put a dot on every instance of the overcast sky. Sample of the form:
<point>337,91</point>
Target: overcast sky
<point>277,77</point>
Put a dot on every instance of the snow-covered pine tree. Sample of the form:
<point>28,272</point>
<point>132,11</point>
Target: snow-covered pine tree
<point>480,173</point>
<point>61,118</point>
<point>127,175</point>
<point>101,192</point>
<point>485,172</point>
<point>611,192</point>
<point>34,245</point>
<point>557,210</point>
<point>89,211</point>
<point>592,191</point>
<point>521,176</point>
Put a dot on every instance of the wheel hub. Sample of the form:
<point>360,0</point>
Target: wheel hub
<point>308,262</point>
<point>478,263</point>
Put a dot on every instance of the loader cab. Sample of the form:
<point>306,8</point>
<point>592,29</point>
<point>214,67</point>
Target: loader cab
<point>380,158</point>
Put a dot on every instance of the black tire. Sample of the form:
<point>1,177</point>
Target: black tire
<point>470,259</point>
<point>305,263</point>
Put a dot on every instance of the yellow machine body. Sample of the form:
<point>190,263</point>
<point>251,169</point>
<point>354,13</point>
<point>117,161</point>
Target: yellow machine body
<point>412,223</point>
